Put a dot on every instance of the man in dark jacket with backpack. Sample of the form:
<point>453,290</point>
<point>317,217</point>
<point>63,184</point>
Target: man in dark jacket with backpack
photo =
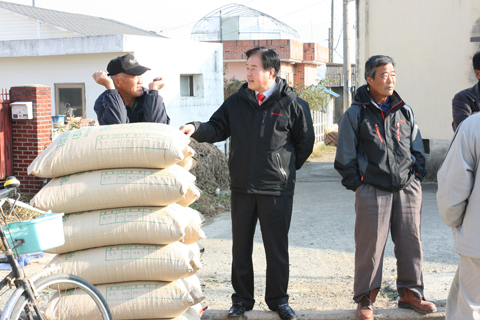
<point>272,136</point>
<point>467,102</point>
<point>381,158</point>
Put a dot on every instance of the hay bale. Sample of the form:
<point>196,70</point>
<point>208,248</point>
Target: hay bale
<point>212,169</point>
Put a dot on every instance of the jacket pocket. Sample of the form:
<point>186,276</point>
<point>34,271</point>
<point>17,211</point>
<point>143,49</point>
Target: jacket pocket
<point>280,168</point>
<point>377,131</point>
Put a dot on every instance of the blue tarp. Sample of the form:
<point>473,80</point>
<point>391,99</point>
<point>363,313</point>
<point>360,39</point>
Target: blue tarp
<point>23,260</point>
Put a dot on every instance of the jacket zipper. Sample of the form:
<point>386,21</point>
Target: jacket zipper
<point>282,171</point>
<point>398,131</point>
<point>378,133</point>
<point>262,130</point>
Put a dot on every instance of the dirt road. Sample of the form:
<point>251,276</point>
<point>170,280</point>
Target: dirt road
<point>322,250</point>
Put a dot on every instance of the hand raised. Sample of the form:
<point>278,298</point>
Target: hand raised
<point>156,84</point>
<point>101,78</point>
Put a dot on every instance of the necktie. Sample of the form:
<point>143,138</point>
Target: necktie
<point>260,98</point>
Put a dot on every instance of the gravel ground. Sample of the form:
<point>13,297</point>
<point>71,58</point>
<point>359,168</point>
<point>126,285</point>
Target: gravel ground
<point>322,249</point>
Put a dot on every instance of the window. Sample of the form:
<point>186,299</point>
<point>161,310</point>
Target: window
<point>70,97</point>
<point>191,85</point>
<point>186,86</point>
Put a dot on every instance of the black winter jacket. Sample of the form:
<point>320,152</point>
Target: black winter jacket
<point>464,104</point>
<point>384,150</point>
<point>268,142</point>
<point>111,109</point>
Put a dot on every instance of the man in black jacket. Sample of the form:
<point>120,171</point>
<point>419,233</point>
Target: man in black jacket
<point>380,156</point>
<point>126,100</point>
<point>467,102</point>
<point>272,136</point>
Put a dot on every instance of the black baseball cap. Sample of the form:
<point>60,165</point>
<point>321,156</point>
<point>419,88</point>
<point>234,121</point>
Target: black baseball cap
<point>126,64</point>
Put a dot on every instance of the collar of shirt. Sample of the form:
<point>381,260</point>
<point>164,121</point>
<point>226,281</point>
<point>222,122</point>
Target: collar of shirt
<point>385,106</point>
<point>131,113</point>
<point>268,92</point>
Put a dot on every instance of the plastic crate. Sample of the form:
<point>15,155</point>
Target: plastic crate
<point>39,234</point>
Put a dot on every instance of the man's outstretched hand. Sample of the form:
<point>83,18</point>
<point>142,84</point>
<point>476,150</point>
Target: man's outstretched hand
<point>188,129</point>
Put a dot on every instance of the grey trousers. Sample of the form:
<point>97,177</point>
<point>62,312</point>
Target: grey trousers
<point>463,301</point>
<point>377,212</point>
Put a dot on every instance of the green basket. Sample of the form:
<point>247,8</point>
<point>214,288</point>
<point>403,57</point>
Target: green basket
<point>39,234</point>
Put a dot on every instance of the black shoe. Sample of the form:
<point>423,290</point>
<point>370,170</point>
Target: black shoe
<point>237,309</point>
<point>286,313</point>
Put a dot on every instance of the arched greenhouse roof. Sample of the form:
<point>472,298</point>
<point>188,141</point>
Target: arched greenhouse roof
<point>239,22</point>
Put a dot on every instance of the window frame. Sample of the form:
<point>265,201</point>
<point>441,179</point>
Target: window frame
<point>70,85</point>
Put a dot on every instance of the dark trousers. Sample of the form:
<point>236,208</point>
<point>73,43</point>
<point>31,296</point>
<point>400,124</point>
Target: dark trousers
<point>274,214</point>
<point>378,211</point>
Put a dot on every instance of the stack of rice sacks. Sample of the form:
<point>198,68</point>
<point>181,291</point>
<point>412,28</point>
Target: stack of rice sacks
<point>125,191</point>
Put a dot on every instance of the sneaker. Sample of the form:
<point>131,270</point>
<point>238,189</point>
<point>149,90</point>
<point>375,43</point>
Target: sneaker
<point>411,301</point>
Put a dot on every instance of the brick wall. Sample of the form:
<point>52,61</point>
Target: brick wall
<point>31,137</point>
<point>315,52</point>
<point>287,49</point>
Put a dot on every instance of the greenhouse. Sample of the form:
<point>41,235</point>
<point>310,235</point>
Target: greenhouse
<point>238,22</point>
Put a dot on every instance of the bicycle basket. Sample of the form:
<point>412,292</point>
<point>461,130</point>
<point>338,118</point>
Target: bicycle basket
<point>39,234</point>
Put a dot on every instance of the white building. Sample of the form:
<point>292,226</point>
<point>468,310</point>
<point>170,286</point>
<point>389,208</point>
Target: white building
<point>433,43</point>
<point>62,50</point>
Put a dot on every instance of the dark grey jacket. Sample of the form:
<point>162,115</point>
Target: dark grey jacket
<point>110,108</point>
<point>384,150</point>
<point>464,104</point>
<point>268,142</point>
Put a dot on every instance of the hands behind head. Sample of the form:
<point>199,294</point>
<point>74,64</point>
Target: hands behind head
<point>101,78</point>
<point>156,84</point>
<point>188,129</point>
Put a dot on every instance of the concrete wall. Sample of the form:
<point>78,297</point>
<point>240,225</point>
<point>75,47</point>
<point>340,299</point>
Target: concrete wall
<point>74,60</point>
<point>430,42</point>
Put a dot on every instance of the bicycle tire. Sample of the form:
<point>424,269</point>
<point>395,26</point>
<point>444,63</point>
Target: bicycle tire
<point>65,296</point>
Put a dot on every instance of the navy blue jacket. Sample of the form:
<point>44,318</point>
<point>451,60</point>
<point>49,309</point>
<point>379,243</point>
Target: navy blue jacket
<point>110,108</point>
<point>464,104</point>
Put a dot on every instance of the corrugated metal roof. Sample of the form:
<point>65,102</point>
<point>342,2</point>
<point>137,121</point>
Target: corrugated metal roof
<point>334,75</point>
<point>79,24</point>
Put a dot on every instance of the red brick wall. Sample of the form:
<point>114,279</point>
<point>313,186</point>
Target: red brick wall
<point>31,137</point>
<point>287,49</point>
<point>315,52</point>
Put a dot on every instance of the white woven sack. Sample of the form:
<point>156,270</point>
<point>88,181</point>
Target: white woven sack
<point>131,263</point>
<point>104,189</point>
<point>136,145</point>
<point>194,232</point>
<point>131,300</point>
<point>140,225</point>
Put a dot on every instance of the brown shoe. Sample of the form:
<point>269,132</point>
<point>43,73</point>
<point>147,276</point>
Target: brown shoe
<point>411,301</point>
<point>365,307</point>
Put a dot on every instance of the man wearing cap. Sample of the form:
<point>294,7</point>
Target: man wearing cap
<point>126,100</point>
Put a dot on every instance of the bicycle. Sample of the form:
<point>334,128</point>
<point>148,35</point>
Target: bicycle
<point>47,294</point>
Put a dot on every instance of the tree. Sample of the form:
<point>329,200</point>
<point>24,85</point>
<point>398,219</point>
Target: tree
<point>230,86</point>
<point>314,94</point>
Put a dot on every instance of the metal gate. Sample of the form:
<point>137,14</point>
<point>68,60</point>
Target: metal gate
<point>6,148</point>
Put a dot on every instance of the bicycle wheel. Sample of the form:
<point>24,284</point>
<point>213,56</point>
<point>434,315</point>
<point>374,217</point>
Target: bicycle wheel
<point>65,296</point>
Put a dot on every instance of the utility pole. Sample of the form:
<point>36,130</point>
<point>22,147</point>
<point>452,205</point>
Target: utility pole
<point>331,34</point>
<point>347,66</point>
